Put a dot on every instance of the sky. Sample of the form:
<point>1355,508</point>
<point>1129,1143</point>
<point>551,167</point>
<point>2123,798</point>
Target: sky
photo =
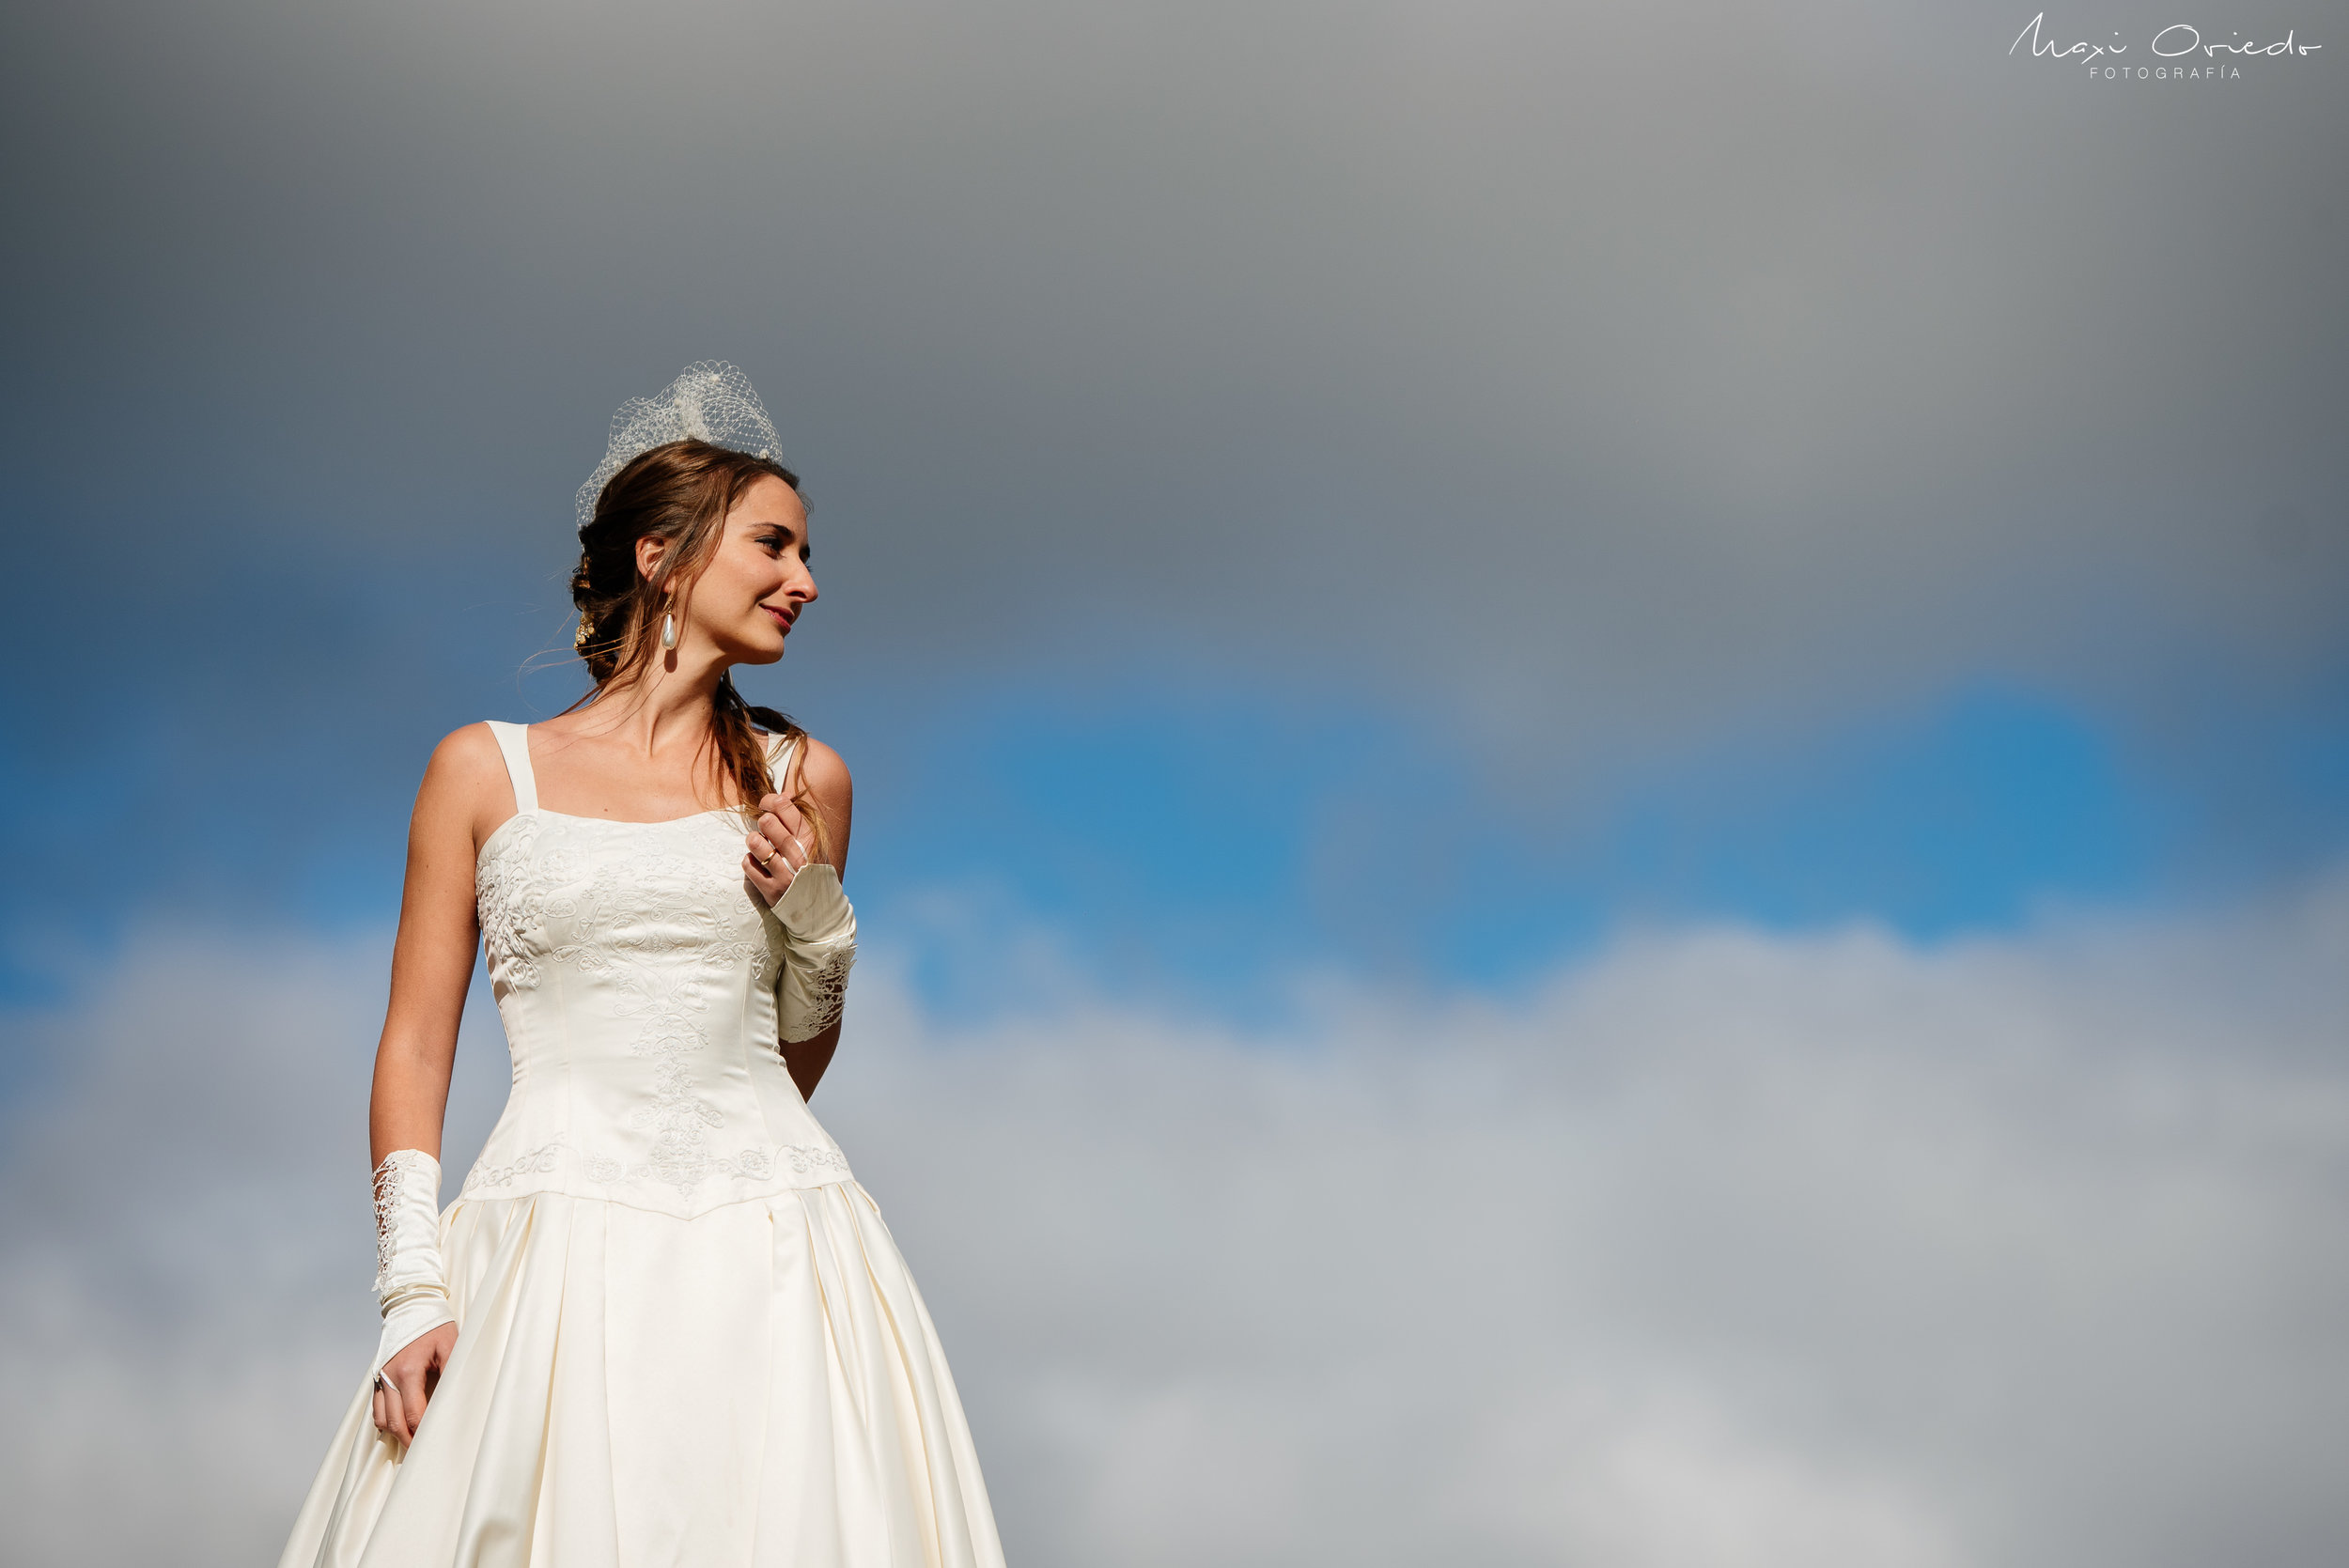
<point>1724,623</point>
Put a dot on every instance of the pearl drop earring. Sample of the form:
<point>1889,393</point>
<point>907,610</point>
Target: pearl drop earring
<point>668,632</point>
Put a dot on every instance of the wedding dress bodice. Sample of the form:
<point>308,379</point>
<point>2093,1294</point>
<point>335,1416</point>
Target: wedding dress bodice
<point>634,970</point>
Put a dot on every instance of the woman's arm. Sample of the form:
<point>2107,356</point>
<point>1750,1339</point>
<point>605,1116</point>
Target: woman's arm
<point>834,796</point>
<point>465,787</point>
<point>807,1059</point>
<point>432,955</point>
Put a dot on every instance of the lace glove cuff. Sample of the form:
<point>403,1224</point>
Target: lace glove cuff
<point>410,1282</point>
<point>819,945</point>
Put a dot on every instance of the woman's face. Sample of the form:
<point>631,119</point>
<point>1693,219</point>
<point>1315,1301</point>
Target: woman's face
<point>757,580</point>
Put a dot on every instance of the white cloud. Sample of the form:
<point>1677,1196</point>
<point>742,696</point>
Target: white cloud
<point>1726,1251</point>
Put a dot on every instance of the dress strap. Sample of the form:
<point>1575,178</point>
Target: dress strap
<point>514,743</point>
<point>779,750</point>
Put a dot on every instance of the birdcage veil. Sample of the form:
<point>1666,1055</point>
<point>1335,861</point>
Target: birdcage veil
<point>710,400</point>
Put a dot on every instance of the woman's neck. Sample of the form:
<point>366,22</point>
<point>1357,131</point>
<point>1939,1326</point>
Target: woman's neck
<point>666,706</point>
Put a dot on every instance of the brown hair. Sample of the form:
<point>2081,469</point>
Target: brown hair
<point>680,494</point>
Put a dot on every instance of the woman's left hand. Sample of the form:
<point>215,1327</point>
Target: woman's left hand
<point>778,848</point>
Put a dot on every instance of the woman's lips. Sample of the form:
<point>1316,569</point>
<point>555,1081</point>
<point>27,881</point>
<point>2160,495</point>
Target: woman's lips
<point>781,619</point>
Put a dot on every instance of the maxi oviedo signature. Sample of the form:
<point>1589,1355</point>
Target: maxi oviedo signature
<point>2178,53</point>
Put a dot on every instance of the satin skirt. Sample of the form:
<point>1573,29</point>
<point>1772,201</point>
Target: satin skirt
<point>758,1386</point>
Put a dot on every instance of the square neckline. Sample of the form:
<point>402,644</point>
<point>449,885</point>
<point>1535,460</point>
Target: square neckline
<point>521,774</point>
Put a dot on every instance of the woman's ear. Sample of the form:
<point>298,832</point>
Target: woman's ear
<point>649,550</point>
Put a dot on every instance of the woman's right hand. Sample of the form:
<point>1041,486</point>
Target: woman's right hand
<point>408,1379</point>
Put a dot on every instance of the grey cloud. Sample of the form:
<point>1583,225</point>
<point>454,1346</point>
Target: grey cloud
<point>1723,1251</point>
<point>1634,368</point>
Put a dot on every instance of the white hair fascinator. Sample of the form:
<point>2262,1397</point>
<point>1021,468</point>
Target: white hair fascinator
<point>710,400</point>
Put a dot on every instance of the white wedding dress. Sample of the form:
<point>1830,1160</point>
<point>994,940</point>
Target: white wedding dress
<point>685,1339</point>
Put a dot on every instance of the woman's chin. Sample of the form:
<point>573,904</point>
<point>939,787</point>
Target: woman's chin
<point>761,652</point>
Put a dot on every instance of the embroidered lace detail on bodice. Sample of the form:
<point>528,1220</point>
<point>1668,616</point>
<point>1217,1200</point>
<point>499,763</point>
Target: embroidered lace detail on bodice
<point>635,970</point>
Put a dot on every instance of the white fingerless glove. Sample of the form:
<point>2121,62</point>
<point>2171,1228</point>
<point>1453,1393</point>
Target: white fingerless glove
<point>410,1282</point>
<point>819,945</point>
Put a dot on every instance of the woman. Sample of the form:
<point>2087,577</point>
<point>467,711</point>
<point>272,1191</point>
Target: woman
<point>660,1323</point>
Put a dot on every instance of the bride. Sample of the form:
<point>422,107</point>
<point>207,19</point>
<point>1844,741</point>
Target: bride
<point>660,1323</point>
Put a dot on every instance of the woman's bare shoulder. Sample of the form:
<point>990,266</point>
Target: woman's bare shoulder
<point>823,767</point>
<point>820,768</point>
<point>466,776</point>
<point>468,752</point>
